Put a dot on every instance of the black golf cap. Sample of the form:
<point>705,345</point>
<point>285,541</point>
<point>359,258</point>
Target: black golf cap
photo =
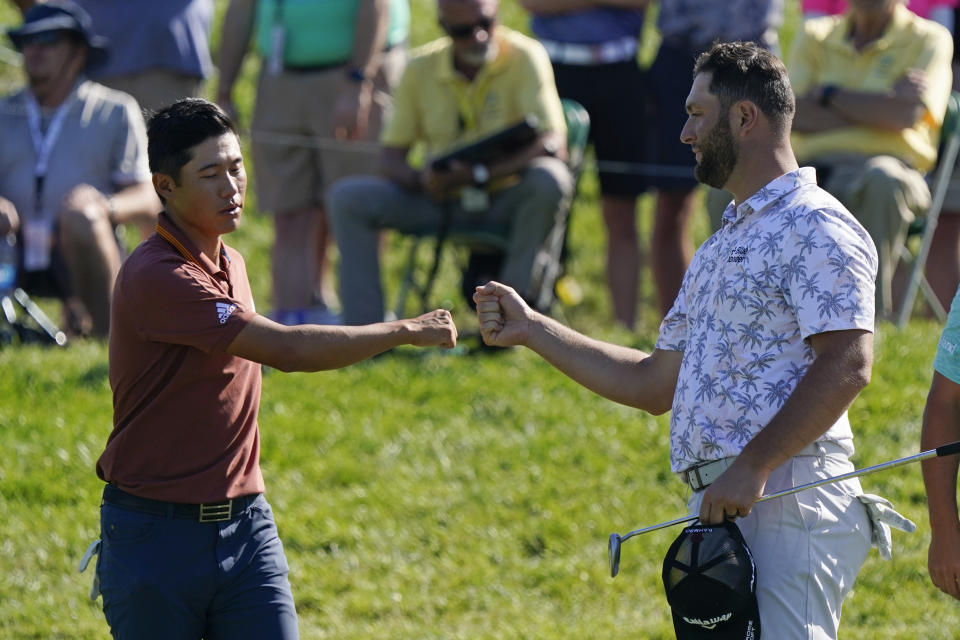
<point>711,584</point>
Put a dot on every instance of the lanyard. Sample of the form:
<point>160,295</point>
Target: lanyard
<point>43,144</point>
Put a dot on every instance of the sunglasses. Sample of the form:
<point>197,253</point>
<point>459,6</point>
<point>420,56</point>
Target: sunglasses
<point>457,31</point>
<point>42,38</point>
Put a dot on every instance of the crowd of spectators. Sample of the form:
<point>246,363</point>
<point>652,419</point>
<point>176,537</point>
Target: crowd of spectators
<point>332,154</point>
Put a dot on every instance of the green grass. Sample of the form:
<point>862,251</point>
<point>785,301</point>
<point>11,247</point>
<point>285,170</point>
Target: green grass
<point>431,495</point>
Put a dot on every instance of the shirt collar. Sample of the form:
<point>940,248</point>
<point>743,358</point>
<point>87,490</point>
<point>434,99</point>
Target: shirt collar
<point>901,17</point>
<point>770,193</point>
<point>170,232</point>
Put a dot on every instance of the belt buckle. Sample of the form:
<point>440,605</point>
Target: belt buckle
<point>217,512</point>
<point>693,473</point>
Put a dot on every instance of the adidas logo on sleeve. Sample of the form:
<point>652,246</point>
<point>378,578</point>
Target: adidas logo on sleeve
<point>224,311</point>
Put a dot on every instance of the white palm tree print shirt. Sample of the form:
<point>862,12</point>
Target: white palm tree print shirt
<point>787,263</point>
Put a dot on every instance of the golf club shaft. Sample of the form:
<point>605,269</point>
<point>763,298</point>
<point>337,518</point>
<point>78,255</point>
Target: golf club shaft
<point>945,450</point>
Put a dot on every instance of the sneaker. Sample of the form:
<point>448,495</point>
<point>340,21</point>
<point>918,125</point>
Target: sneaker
<point>320,314</point>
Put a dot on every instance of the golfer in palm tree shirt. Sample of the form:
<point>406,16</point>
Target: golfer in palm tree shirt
<point>767,344</point>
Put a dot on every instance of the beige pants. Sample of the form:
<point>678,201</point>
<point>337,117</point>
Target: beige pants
<point>295,155</point>
<point>808,547</point>
<point>885,195</point>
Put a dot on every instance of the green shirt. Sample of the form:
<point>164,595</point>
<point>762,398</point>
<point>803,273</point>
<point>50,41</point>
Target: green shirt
<point>320,32</point>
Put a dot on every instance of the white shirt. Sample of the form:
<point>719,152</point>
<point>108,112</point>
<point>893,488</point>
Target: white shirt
<point>788,263</point>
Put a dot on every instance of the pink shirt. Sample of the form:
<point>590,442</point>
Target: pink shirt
<point>832,7</point>
<point>184,411</point>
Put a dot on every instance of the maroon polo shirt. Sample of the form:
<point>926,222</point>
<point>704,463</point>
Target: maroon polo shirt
<point>184,410</point>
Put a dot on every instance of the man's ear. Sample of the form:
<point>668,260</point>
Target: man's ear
<point>164,185</point>
<point>745,117</point>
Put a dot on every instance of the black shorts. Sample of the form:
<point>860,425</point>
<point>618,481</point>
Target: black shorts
<point>670,77</point>
<point>613,95</point>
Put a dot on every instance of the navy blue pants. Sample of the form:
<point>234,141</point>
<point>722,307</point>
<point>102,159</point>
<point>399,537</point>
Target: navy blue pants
<point>167,577</point>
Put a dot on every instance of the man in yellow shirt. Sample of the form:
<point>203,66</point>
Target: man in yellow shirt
<point>872,88</point>
<point>481,79</point>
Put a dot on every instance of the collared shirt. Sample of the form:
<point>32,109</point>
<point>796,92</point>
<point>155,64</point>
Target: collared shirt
<point>823,54</point>
<point>788,263</point>
<point>698,23</point>
<point>436,105</point>
<point>102,143</point>
<point>184,410</point>
<point>922,8</point>
<point>947,360</point>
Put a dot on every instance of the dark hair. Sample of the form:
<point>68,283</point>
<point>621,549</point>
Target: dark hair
<point>175,129</point>
<point>746,71</point>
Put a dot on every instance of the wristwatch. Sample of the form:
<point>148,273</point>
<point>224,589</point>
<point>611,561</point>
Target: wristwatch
<point>826,94</point>
<point>481,175</point>
<point>356,75</point>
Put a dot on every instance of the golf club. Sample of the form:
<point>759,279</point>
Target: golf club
<point>613,548</point>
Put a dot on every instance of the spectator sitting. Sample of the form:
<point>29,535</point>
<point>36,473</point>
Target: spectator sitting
<point>324,87</point>
<point>872,89</point>
<point>73,165</point>
<point>479,80</point>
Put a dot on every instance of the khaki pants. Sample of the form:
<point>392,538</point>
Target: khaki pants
<point>885,195</point>
<point>296,158</point>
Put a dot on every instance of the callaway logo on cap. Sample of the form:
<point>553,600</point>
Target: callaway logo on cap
<point>711,584</point>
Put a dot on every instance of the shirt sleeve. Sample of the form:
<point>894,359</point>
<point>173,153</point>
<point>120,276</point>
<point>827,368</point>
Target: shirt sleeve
<point>188,308</point>
<point>947,360</point>
<point>403,128</point>
<point>129,161</point>
<point>804,65</point>
<point>935,61</point>
<point>830,266</point>
<point>539,94</point>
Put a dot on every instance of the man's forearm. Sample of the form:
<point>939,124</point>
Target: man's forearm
<point>370,36</point>
<point>846,107</point>
<point>941,425</point>
<point>238,24</point>
<point>628,376</point>
<point>549,143</point>
<point>394,167</point>
<point>811,117</point>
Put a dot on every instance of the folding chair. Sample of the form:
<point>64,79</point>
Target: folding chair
<point>926,226</point>
<point>548,264</point>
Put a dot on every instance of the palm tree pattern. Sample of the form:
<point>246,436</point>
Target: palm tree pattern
<point>788,263</point>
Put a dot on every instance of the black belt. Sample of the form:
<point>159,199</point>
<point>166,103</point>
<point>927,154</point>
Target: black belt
<point>314,68</point>
<point>206,512</point>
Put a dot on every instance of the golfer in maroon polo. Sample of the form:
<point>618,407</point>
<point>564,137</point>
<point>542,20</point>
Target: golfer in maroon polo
<point>189,547</point>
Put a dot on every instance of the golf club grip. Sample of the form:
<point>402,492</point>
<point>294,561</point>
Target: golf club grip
<point>948,449</point>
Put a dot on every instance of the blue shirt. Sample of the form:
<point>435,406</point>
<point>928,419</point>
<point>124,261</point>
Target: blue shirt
<point>590,26</point>
<point>153,34</point>
<point>697,23</point>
